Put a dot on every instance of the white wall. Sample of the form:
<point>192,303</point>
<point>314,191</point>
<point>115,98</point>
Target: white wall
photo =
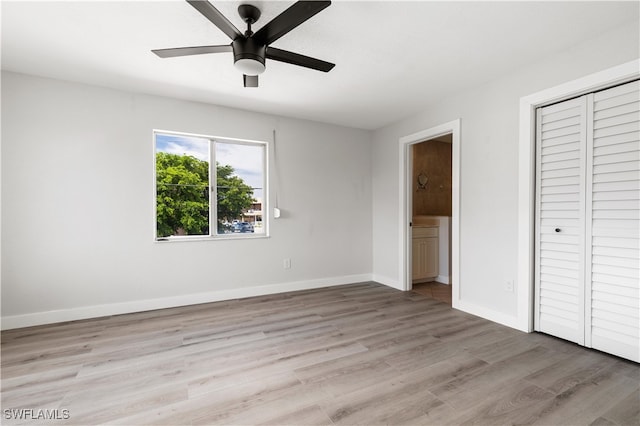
<point>77,196</point>
<point>78,205</point>
<point>489,172</point>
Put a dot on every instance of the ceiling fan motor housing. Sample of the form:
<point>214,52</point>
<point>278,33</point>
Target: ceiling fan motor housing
<point>248,55</point>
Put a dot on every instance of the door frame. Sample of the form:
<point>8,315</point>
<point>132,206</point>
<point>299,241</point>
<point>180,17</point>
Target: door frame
<point>527,176</point>
<point>406,202</point>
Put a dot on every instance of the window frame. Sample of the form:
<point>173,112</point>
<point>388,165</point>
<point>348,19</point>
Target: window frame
<point>213,189</point>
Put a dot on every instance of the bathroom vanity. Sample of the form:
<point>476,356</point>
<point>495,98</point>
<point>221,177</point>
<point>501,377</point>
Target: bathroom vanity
<point>430,249</point>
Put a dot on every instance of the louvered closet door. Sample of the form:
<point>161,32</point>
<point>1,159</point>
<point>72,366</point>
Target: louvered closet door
<point>560,193</point>
<point>588,220</point>
<point>613,222</point>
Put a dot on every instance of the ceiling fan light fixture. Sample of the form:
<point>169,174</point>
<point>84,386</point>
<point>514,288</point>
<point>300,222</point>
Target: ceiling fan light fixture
<point>248,56</point>
<point>249,66</point>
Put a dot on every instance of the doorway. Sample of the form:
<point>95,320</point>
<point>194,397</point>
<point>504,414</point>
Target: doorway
<point>431,218</point>
<point>408,184</point>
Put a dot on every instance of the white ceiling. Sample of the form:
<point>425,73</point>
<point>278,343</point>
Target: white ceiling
<point>393,58</point>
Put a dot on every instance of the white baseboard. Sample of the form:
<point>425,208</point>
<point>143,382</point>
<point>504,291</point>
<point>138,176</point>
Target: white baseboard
<point>443,279</point>
<point>489,314</point>
<point>95,311</point>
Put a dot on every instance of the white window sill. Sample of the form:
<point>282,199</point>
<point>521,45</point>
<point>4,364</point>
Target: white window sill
<point>226,237</point>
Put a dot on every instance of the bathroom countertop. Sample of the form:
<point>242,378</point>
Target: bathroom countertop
<point>425,221</point>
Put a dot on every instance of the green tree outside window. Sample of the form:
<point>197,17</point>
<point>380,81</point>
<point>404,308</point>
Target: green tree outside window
<point>182,183</point>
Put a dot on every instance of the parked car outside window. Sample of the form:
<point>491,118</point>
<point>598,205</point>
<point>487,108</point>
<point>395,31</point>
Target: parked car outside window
<point>242,227</point>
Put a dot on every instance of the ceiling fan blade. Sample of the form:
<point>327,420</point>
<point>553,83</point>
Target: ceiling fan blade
<point>250,80</point>
<point>216,18</point>
<point>288,20</point>
<point>298,59</point>
<point>188,51</point>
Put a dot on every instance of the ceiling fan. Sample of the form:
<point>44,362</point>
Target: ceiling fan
<point>251,49</point>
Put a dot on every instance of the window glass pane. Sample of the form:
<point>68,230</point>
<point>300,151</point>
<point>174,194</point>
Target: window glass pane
<point>182,185</point>
<point>240,187</point>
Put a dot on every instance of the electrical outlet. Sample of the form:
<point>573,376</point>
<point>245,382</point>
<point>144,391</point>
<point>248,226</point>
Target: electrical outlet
<point>287,263</point>
<point>508,286</point>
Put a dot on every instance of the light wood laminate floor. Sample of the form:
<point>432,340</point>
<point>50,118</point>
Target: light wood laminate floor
<point>357,354</point>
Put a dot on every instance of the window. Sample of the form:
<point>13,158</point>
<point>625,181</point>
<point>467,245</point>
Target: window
<point>209,187</point>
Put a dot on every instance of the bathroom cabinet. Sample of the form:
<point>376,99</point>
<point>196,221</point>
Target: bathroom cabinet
<point>425,253</point>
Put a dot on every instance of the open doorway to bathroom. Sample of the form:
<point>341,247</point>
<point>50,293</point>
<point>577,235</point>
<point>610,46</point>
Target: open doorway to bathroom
<point>411,183</point>
<point>431,212</point>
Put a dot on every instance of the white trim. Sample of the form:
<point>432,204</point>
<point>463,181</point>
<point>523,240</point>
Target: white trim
<point>405,142</point>
<point>490,314</point>
<point>213,191</point>
<point>536,227</point>
<point>526,176</point>
<point>225,237</point>
<point>73,314</point>
<point>443,279</point>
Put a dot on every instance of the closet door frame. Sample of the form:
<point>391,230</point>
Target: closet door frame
<point>527,176</point>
